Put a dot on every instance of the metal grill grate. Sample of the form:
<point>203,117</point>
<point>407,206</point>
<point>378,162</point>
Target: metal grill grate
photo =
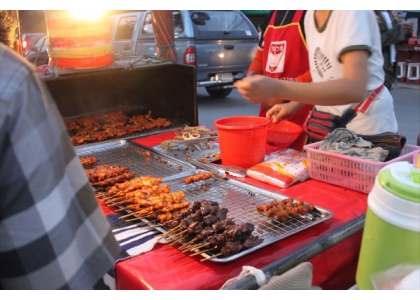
<point>140,160</point>
<point>241,201</point>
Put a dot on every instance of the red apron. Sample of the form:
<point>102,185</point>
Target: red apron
<point>286,59</point>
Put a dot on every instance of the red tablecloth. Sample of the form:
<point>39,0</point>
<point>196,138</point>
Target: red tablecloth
<point>167,268</point>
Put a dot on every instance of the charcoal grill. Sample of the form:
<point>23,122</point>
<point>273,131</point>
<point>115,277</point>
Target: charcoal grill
<point>166,89</point>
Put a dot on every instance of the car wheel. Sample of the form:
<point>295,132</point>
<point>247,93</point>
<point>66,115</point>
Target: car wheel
<point>218,92</point>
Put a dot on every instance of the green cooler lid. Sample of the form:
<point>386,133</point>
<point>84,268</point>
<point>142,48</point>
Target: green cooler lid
<point>397,179</point>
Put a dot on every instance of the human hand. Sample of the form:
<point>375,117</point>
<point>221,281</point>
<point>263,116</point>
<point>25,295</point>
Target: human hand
<point>282,111</point>
<point>258,88</point>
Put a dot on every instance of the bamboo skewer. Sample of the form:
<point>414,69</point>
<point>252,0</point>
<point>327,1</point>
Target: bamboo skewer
<point>127,215</point>
<point>114,203</point>
<point>200,246</point>
<point>187,245</point>
<point>211,257</point>
<point>171,231</point>
<point>135,219</point>
<point>202,251</point>
<point>175,242</point>
<point>191,248</point>
<point>180,233</point>
<point>121,209</point>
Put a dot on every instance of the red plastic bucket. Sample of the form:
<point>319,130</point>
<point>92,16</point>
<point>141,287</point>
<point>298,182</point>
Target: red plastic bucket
<point>242,140</point>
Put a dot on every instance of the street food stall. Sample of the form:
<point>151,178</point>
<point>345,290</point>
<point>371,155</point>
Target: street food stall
<point>134,124</point>
<point>329,237</point>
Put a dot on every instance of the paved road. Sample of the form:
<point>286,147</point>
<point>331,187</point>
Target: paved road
<point>406,101</point>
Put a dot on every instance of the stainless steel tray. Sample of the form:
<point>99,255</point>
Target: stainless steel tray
<point>241,201</point>
<point>209,151</point>
<point>140,160</point>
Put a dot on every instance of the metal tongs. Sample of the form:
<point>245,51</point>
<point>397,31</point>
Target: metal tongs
<point>218,169</point>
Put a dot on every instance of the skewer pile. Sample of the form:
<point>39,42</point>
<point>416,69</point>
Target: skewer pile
<point>103,177</point>
<point>109,125</point>
<point>201,226</point>
<point>147,198</point>
<point>205,228</point>
<point>285,209</point>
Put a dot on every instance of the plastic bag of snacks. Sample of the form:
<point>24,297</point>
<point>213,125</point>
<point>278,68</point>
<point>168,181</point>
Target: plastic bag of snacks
<point>281,168</point>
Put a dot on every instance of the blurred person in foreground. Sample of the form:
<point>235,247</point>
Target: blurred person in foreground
<point>393,33</point>
<point>346,66</point>
<point>283,54</point>
<point>53,234</point>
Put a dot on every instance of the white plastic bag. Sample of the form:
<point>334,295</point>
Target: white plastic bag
<point>248,271</point>
<point>400,277</point>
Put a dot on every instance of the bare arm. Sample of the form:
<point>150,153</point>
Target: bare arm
<point>350,89</point>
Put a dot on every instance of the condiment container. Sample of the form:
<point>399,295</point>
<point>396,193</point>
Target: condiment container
<point>391,233</point>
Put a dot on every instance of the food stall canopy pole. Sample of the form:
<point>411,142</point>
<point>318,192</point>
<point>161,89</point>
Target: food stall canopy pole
<point>163,28</point>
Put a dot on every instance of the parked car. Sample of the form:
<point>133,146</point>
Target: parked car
<point>221,44</point>
<point>37,52</point>
<point>29,39</point>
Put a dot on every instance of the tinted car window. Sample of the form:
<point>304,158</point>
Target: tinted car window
<point>177,19</point>
<point>125,28</point>
<point>213,24</point>
<point>147,26</point>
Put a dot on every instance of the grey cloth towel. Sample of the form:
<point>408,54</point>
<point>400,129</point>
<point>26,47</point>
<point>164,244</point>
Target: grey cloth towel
<point>298,278</point>
<point>346,142</point>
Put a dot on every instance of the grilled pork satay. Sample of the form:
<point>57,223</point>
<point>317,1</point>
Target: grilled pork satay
<point>164,216</point>
<point>102,172</point>
<point>88,160</point>
<point>197,212</point>
<point>175,206</point>
<point>204,228</point>
<point>121,189</point>
<point>107,183</point>
<point>148,191</point>
<point>285,209</point>
<point>107,125</point>
<point>144,211</point>
<point>161,202</point>
<point>197,177</point>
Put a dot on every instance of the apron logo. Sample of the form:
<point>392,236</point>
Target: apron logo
<point>276,55</point>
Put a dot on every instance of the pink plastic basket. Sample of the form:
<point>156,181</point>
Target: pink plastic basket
<point>346,171</point>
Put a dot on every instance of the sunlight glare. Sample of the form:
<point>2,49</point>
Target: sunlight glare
<point>87,14</point>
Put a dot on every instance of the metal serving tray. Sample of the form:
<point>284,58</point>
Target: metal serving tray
<point>241,201</point>
<point>209,151</point>
<point>138,159</point>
